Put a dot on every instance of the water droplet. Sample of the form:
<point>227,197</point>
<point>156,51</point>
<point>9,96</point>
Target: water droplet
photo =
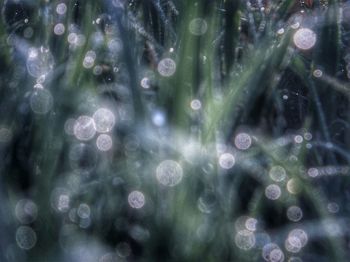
<point>277,173</point>
<point>196,104</point>
<point>26,237</point>
<point>169,173</point>
<point>26,211</point>
<point>198,26</point>
<point>136,199</point>
<point>293,186</point>
<point>84,128</point>
<point>298,139</point>
<point>300,235</point>
<point>83,211</point>
<point>227,160</point>
<point>61,8</point>
<point>59,29</point>
<point>313,172</point>
<point>243,141</point>
<point>166,67</point>
<point>245,239</point>
<point>39,62</point>
<point>317,73</point>
<point>146,83</point>
<point>268,252</point>
<point>273,192</point>
<point>104,120</point>
<point>104,142</point>
<point>60,199</point>
<point>294,213</point>
<point>280,31</point>
<point>304,38</point>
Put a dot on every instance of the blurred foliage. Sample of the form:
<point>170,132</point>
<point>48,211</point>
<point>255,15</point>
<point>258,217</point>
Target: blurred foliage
<point>229,123</point>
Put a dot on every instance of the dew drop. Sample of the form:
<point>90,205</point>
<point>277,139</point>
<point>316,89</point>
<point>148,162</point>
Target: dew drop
<point>304,38</point>
<point>136,199</point>
<point>169,173</point>
<point>26,237</point>
<point>166,67</point>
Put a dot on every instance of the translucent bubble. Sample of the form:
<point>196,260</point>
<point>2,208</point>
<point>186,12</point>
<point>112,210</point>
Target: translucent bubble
<point>61,8</point>
<point>251,223</point>
<point>245,239</point>
<point>72,38</point>
<point>166,67</point>
<point>5,134</point>
<point>26,237</point>
<point>97,70</point>
<point>59,29</point>
<point>146,82</point>
<point>198,26</point>
<point>277,173</point>
<point>304,38</point>
<point>85,222</point>
<point>294,213</point>
<point>39,62</point>
<point>136,199</point>
<point>308,136</point>
<point>88,62</point>
<point>276,255</point>
<point>280,31</point>
<point>196,104</point>
<point>26,211</point>
<point>227,160</point>
<point>273,192</point>
<point>267,252</point>
<point>82,158</point>
<point>104,120</point>
<point>293,186</point>
<point>298,139</point>
<point>240,223</point>
<point>84,211</point>
<point>293,244</point>
<point>104,142</point>
<point>300,234</point>
<point>84,128</point>
<point>243,141</point>
<point>169,173</point>
<point>317,73</point>
<point>41,101</point>
<point>60,199</point>
<point>313,172</point>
